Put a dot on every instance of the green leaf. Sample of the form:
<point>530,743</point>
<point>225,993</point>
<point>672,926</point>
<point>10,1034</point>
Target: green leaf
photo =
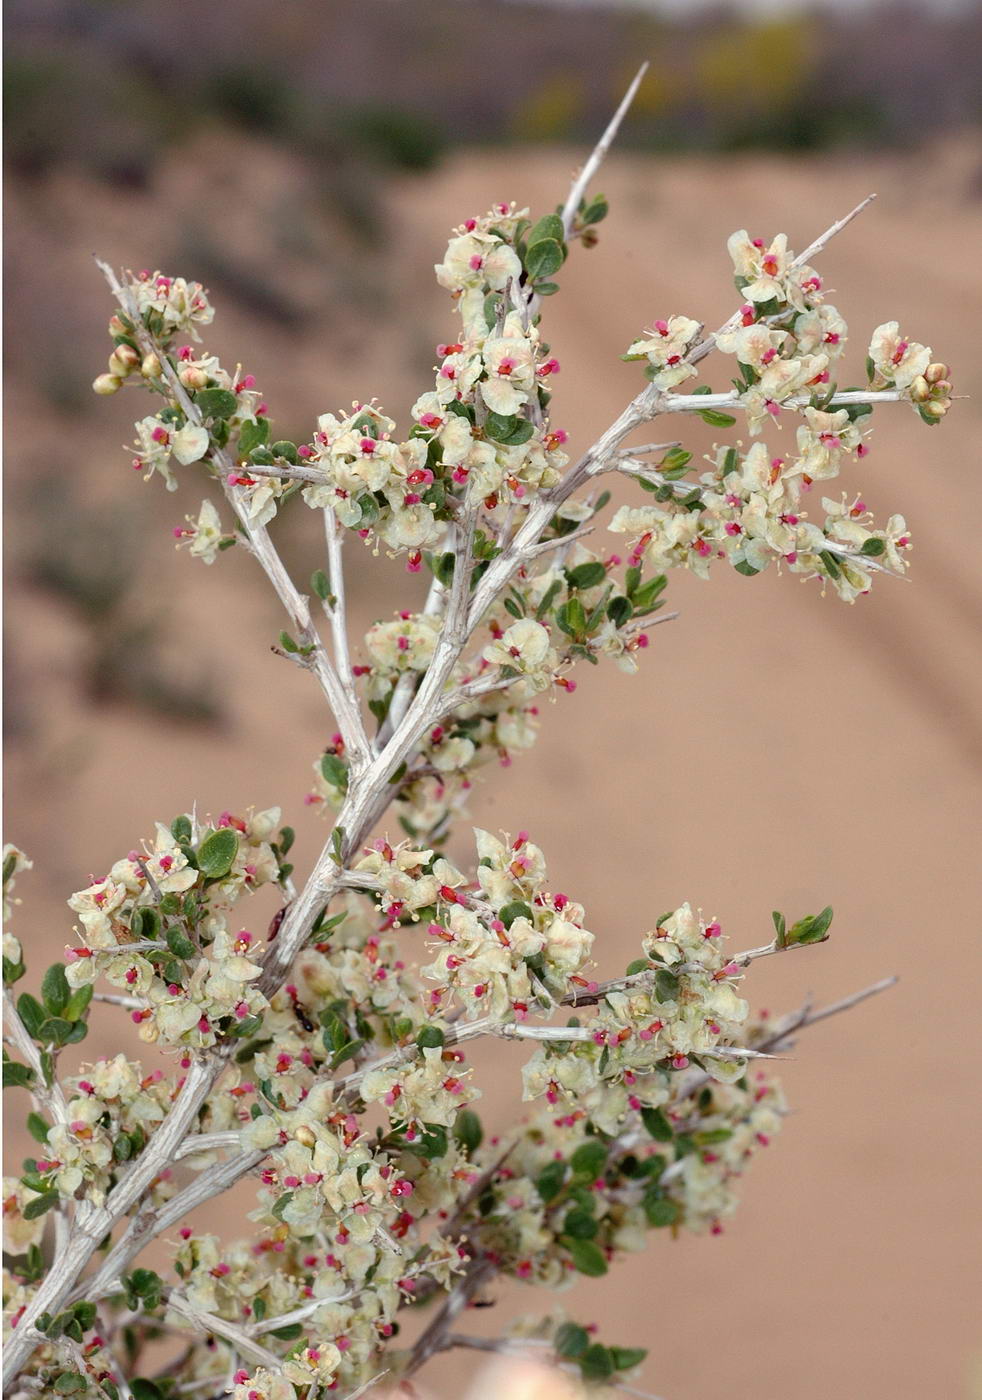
<point>674,461</point>
<point>596,1363</point>
<point>217,852</point>
<point>467,1130</point>
<point>589,1159</point>
<point>510,430</point>
<point>543,258</point>
<point>84,1314</point>
<point>644,597</point>
<point>286,450</point>
<point>31,1012</point>
<point>660,1211</point>
<point>832,566</point>
<point>253,433</point>
<point>580,1224</point>
<point>179,943</point>
<point>498,425</point>
<point>321,584</point>
<point>37,1127</point>
<point>550,1180</point>
<point>145,1390</point>
<point>346,1052</point>
<point>337,845</point>
<point>430,1038</point>
<point>12,972</point>
<point>550,226</point>
<point>78,1002</point>
<point>289,1333</point>
<point>335,771</point>
<point>624,1358</point>
<point>369,508</point>
<point>597,209</point>
<point>780,928</point>
<point>431,1144</point>
<point>586,575</point>
<point>571,618</point>
<point>548,598</point>
<point>215,403</point>
<point>657,1124</point>
<point>38,1205</point>
<point>587,1256</point>
<point>717,420</point>
<point>745,568</point>
<point>517,909</point>
<point>571,1340</point>
<point>619,611</point>
<point>180,828</point>
<point>70,1383</point>
<point>55,991</point>
<point>873,547</point>
<point>16,1076</point>
<point>812,929</point>
<point>57,1031</point>
<point>281,1204</point>
<point>666,985</point>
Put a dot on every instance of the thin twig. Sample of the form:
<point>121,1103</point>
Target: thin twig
<point>592,165</point>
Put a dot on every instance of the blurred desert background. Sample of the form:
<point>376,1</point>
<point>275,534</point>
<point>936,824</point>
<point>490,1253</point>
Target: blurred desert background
<point>779,750</point>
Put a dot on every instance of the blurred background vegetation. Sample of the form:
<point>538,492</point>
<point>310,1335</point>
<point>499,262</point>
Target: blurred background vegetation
<point>109,85</point>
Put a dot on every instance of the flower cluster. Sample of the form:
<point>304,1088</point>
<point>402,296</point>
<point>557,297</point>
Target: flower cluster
<point>752,507</point>
<point>905,365</point>
<point>113,1111</point>
<point>157,926</point>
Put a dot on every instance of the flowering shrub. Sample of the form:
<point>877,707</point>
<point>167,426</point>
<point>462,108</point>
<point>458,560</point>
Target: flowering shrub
<point>325,1057</point>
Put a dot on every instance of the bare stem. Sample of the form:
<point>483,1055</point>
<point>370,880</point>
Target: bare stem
<point>598,154</point>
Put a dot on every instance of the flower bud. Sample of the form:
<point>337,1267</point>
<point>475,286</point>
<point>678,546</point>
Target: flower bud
<point>920,389</point>
<point>942,388</point>
<point>937,408</point>
<point>936,371</point>
<point>589,238</point>
<point>148,1032</point>
<point>150,368</point>
<point>123,360</point>
<point>305,1135</point>
<point>193,378</point>
<point>106,384</point>
<point>116,327</point>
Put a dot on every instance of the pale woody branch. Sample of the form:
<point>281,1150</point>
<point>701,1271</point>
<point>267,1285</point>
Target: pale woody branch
<point>343,701</point>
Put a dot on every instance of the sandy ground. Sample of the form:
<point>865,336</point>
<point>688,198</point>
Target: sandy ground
<point>778,750</point>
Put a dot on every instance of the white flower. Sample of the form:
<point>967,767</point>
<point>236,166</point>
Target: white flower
<point>191,443</point>
<point>896,359</point>
<point>19,1234</point>
<point>477,259</point>
<point>204,534</point>
<point>665,347</point>
<point>509,360</point>
<point>525,647</point>
<point>761,269</point>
